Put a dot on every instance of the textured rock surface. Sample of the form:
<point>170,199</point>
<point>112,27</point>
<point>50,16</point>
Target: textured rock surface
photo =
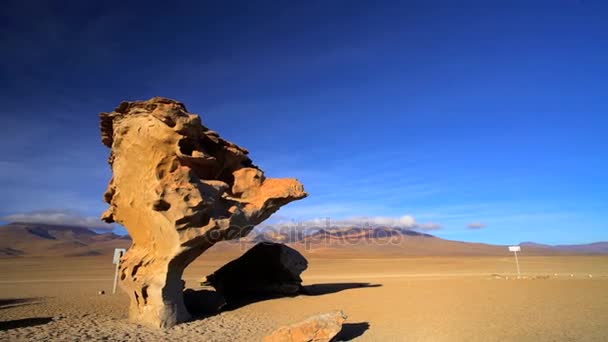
<point>319,328</point>
<point>265,269</point>
<point>178,188</point>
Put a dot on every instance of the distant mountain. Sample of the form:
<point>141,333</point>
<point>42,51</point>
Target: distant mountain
<point>364,233</point>
<point>33,239</point>
<point>36,239</point>
<point>362,242</point>
<point>588,248</point>
<point>534,244</point>
<point>334,233</point>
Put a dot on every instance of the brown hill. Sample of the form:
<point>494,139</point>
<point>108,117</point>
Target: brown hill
<point>362,242</point>
<point>369,242</point>
<point>33,239</point>
<point>588,248</point>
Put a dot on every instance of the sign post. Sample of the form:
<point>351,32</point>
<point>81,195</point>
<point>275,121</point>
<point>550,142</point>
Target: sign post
<point>515,249</point>
<point>118,253</point>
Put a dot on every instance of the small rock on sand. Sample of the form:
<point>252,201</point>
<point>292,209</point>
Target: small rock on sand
<point>319,328</point>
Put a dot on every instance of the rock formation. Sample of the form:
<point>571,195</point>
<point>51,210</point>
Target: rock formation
<point>319,328</point>
<point>265,269</point>
<point>178,188</point>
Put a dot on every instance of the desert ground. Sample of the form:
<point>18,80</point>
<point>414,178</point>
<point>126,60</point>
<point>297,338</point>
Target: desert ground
<point>389,298</point>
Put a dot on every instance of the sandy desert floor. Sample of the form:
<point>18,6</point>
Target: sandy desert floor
<point>386,299</point>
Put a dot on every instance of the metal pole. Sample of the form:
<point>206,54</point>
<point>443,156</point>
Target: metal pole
<point>115,277</point>
<point>517,262</point>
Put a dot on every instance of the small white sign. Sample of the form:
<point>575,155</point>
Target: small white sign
<point>514,249</point>
<point>118,253</point>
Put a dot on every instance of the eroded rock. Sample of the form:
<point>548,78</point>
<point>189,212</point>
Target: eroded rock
<point>178,188</point>
<point>265,269</point>
<point>319,328</point>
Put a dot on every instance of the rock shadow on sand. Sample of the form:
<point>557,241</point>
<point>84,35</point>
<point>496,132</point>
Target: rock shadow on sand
<point>327,288</point>
<point>351,331</point>
<point>205,303</point>
<point>24,323</point>
<point>7,303</point>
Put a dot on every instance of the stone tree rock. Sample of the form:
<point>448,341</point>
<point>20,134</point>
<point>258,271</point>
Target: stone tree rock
<point>178,188</point>
<point>265,269</point>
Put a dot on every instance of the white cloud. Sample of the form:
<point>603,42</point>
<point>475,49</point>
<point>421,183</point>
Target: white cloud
<point>429,226</point>
<point>58,217</point>
<point>476,225</point>
<point>405,221</point>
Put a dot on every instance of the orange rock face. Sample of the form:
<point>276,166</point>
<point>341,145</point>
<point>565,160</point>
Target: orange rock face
<point>178,188</point>
<point>319,328</point>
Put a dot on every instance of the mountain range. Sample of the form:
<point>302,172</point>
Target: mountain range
<point>36,239</point>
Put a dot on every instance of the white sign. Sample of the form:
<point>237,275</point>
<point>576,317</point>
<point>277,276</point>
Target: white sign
<point>514,249</point>
<point>118,253</point>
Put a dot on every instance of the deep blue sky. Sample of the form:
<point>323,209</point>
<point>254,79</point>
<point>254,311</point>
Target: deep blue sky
<point>455,113</point>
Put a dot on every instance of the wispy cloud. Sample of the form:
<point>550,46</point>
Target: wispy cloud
<point>405,221</point>
<point>429,226</point>
<point>58,217</point>
<point>476,225</point>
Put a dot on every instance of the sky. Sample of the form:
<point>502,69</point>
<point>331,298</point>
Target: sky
<point>476,121</point>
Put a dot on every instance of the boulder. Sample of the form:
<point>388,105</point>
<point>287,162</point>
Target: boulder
<point>178,188</point>
<point>265,269</point>
<point>203,302</point>
<point>319,328</point>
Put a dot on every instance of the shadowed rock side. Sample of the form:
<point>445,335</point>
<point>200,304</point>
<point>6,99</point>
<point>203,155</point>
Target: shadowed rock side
<point>319,328</point>
<point>178,188</point>
<point>265,269</point>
